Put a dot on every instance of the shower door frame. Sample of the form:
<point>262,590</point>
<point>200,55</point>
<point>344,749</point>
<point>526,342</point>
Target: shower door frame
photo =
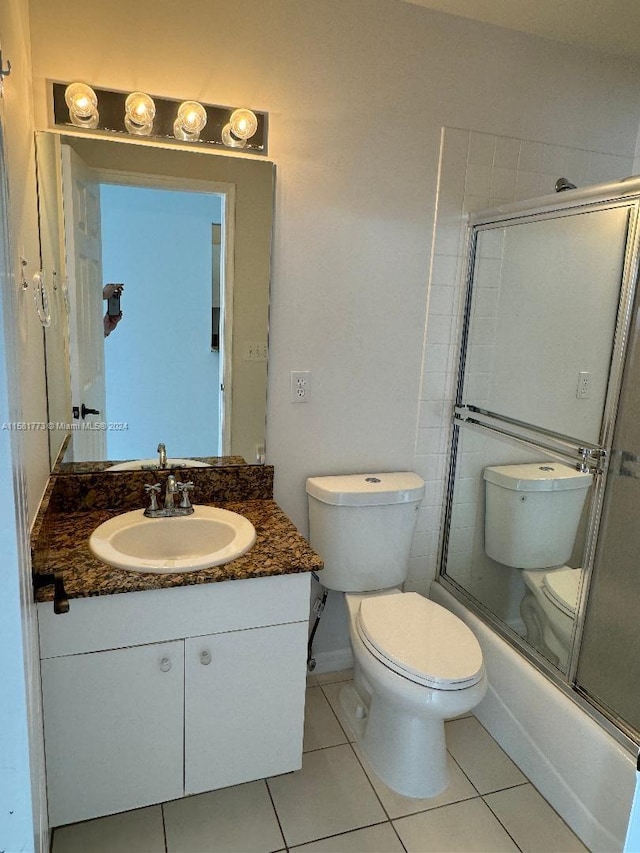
<point>624,194</point>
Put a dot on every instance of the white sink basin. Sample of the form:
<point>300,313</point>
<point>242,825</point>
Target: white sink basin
<point>139,464</point>
<point>209,537</point>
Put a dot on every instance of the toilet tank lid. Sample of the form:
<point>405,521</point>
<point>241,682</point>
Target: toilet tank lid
<point>367,489</point>
<point>538,477</point>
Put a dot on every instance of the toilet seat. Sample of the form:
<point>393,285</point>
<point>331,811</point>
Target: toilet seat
<point>420,640</point>
<point>562,587</point>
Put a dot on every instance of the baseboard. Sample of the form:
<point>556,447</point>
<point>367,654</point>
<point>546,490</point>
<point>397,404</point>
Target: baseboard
<point>333,661</point>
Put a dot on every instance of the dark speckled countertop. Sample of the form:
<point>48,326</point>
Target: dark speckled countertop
<point>61,542</point>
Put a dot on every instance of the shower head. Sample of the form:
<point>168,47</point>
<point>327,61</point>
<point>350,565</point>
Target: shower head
<point>563,184</point>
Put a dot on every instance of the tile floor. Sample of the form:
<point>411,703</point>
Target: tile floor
<point>334,804</point>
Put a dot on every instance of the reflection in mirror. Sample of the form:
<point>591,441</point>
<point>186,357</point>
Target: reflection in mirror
<point>516,537</point>
<point>543,316</point>
<point>189,235</point>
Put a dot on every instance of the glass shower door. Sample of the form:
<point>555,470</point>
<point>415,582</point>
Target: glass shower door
<point>543,312</point>
<point>608,669</point>
<point>546,323</point>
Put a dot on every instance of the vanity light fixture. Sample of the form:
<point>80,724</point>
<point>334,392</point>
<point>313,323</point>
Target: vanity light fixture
<point>83,105</point>
<point>108,112</point>
<point>139,113</point>
<point>190,121</point>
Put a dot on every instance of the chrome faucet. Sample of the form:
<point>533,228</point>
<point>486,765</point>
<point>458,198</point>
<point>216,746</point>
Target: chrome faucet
<point>169,492</point>
<point>162,461</point>
<point>171,489</point>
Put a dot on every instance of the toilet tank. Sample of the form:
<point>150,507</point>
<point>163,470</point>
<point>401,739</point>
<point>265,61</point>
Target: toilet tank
<point>532,513</point>
<point>362,526</point>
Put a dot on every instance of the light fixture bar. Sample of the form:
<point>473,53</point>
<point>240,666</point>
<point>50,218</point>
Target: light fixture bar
<point>112,110</point>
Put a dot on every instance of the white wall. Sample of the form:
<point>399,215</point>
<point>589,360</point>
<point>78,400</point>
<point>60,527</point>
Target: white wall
<point>23,226</point>
<point>158,242</point>
<point>24,458</point>
<point>357,95</point>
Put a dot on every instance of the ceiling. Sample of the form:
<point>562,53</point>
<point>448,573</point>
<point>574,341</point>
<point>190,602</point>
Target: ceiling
<point>610,26</point>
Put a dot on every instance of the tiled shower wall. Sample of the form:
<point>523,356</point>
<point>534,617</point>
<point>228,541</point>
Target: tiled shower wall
<point>477,171</point>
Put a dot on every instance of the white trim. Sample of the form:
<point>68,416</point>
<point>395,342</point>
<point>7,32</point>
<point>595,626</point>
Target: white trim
<point>23,817</point>
<point>334,661</point>
<point>227,279</point>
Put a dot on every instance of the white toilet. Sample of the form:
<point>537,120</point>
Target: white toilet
<point>531,518</point>
<point>548,611</point>
<point>416,664</point>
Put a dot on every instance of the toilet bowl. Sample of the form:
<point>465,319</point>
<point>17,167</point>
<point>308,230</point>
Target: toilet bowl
<point>416,665</point>
<point>548,610</point>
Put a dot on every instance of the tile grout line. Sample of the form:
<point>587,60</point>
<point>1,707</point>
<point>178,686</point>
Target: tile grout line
<point>501,823</point>
<point>345,832</point>
<point>370,783</point>
<point>344,731</point>
<point>478,795</point>
<point>349,743</point>
<point>461,768</point>
<point>164,829</point>
<point>275,811</point>
<point>533,787</point>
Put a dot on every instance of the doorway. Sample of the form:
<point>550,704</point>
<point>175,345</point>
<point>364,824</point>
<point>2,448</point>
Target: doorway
<point>161,368</point>
<point>159,372</point>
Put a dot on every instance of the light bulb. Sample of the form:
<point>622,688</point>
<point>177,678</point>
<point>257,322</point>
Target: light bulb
<point>243,123</point>
<point>190,121</point>
<point>140,111</point>
<point>229,139</point>
<point>83,105</point>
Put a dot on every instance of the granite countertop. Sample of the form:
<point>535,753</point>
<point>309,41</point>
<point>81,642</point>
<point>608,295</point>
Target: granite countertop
<point>279,549</point>
<point>105,466</point>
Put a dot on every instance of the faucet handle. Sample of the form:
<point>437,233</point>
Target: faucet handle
<point>185,488</point>
<point>153,492</point>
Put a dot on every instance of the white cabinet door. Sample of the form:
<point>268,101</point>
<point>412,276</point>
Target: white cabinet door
<point>113,730</point>
<point>244,705</point>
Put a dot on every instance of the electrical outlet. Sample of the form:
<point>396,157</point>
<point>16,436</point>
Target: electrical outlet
<point>583,391</point>
<point>300,386</point>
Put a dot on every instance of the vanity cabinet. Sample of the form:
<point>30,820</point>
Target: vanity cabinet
<point>238,713</point>
<point>149,696</point>
<point>112,726</point>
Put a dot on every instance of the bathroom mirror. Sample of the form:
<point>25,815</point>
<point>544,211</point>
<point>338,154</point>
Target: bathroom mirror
<point>189,235</point>
<point>540,603</point>
<point>543,317</point>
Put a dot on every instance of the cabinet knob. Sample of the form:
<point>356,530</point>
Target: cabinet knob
<point>205,658</point>
<point>165,664</point>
